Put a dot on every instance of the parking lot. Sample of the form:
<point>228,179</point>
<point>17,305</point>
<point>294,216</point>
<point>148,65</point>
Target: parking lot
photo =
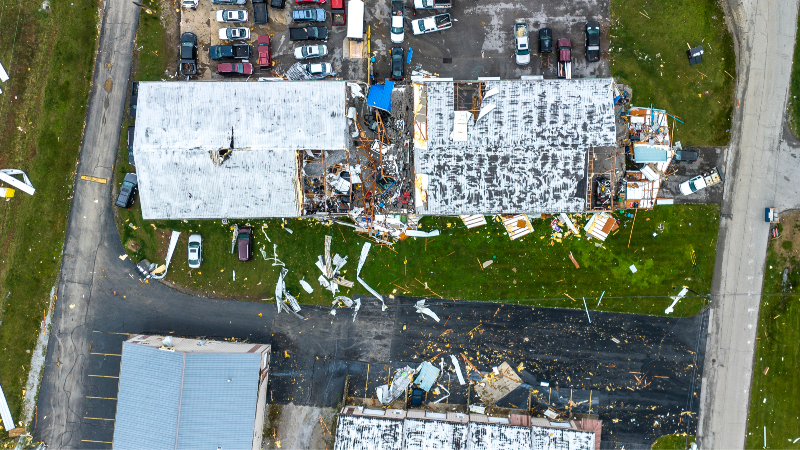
<point>707,158</point>
<point>479,44</point>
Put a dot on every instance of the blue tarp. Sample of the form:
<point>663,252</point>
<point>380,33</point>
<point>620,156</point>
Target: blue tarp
<point>648,154</point>
<point>380,96</point>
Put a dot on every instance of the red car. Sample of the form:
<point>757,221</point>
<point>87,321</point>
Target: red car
<point>309,2</point>
<point>242,68</point>
<point>264,56</point>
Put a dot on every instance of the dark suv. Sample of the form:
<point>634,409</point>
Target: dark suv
<point>545,40</point>
<point>592,41</point>
<point>244,242</point>
<point>127,192</point>
<point>397,63</point>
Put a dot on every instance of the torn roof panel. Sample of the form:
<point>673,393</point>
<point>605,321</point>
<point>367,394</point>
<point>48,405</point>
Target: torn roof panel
<point>277,116</point>
<point>368,433</point>
<point>434,435</point>
<point>561,438</point>
<point>176,184</point>
<point>492,436</point>
<point>380,96</point>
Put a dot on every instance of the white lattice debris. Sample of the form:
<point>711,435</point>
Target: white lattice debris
<point>473,221</point>
<point>518,226</point>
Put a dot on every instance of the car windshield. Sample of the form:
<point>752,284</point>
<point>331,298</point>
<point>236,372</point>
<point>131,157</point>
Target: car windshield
<point>127,184</point>
<point>692,186</point>
<point>240,68</point>
<point>593,31</point>
<point>243,236</point>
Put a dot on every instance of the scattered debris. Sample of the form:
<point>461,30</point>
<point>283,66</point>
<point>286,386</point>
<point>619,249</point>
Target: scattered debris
<point>676,299</point>
<point>422,309</point>
<point>498,383</point>
<point>427,374</point>
<point>402,378</point>
<point>473,221</point>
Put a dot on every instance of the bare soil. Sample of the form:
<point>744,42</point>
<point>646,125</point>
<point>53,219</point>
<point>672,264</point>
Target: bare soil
<point>790,224</point>
<point>298,427</point>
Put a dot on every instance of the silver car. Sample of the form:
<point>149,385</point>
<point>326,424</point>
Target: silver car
<point>231,15</point>
<point>195,251</point>
<point>320,70</point>
<point>310,51</point>
<point>234,34</point>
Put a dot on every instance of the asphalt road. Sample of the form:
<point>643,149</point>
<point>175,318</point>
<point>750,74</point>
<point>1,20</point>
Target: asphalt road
<point>761,166</point>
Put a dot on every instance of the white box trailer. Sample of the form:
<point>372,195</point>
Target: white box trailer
<point>355,19</point>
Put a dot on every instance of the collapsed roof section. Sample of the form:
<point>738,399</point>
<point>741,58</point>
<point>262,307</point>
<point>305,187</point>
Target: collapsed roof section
<point>653,151</point>
<point>228,149</point>
<point>508,146</point>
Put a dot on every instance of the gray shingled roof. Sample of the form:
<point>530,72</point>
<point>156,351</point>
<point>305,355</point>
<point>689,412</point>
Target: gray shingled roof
<point>528,155</point>
<point>180,125</point>
<point>172,400</point>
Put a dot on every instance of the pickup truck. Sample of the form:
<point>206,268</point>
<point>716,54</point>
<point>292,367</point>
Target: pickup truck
<point>308,33</point>
<point>431,24</point>
<point>521,44</point>
<point>702,181</point>
<point>338,14</point>
<point>238,51</point>
<point>188,54</point>
<point>432,4</point>
<point>564,47</point>
<point>260,13</point>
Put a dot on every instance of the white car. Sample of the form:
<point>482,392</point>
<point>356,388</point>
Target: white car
<point>523,50</point>
<point>234,34</point>
<point>320,70</point>
<point>310,51</point>
<point>191,4</point>
<point>231,15</point>
<point>430,24</point>
<point>397,32</point>
<point>195,251</point>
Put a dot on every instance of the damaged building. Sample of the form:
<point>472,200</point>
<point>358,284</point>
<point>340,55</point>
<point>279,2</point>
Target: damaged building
<point>508,146</point>
<point>361,428</point>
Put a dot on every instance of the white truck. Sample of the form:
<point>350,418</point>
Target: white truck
<point>523,51</point>
<point>702,181</point>
<point>430,24</point>
<point>432,4</point>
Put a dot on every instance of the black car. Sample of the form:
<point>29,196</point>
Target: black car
<point>127,192</point>
<point>130,145</point>
<point>277,4</point>
<point>545,40</point>
<point>188,54</point>
<point>686,155</point>
<point>397,63</point>
<point>134,98</point>
<point>592,41</point>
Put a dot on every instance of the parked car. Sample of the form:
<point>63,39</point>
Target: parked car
<point>188,54</point>
<point>397,26</point>
<point>523,51</point>
<point>686,156</point>
<point>309,2</point>
<point>134,98</point>
<point>308,33</point>
<point>229,2</point>
<point>397,63</point>
<point>564,58</point>
<point>430,24</point>
<point>127,192</point>
<point>260,13</point>
<point>702,181</point>
<point>191,4</point>
<point>234,34</point>
<point>195,251</point>
<point>320,70</point>
<point>231,16</point>
<point>244,242</point>
<point>236,51</point>
<point>308,15</point>
<point>264,55</point>
<point>131,131</point>
<point>277,4</point>
<point>338,13</point>
<point>242,68</point>
<point>311,51</point>
<point>545,40</point>
<point>592,41</point>
<point>432,4</point>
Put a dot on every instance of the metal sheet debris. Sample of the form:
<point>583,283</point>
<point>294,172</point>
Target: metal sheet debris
<point>454,360</point>
<point>24,185</point>
<point>676,299</point>
<point>389,393</point>
<point>173,241</point>
<point>427,374</point>
<point>422,309</point>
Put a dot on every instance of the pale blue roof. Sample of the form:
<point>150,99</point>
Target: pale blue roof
<point>428,373</point>
<point>649,154</point>
<point>174,400</point>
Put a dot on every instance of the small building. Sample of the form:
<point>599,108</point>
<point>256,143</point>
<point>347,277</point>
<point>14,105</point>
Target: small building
<point>361,428</point>
<point>177,393</point>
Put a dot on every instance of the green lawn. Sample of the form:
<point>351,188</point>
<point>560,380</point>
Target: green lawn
<point>649,54</point>
<point>529,270</point>
<point>776,371</point>
<point>43,105</point>
<point>151,51</point>
<point>673,442</point>
<point>794,90</point>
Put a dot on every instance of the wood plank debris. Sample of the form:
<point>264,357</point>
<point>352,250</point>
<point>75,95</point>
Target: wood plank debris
<point>600,226</point>
<point>473,221</point>
<point>518,226</point>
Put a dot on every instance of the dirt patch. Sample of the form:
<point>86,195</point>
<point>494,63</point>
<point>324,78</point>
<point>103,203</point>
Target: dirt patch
<point>298,427</point>
<point>788,244</point>
<point>108,84</point>
<point>133,245</point>
<point>163,244</point>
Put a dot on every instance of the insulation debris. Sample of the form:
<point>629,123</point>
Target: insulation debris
<point>402,378</point>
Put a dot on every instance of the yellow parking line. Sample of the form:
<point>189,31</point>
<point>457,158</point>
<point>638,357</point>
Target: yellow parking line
<point>95,179</point>
<point>102,376</point>
<point>106,354</point>
<point>98,442</point>
<point>98,418</point>
<point>102,398</point>
<point>109,332</point>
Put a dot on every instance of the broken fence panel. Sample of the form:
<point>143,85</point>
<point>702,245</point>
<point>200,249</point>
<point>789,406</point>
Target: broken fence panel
<point>24,185</point>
